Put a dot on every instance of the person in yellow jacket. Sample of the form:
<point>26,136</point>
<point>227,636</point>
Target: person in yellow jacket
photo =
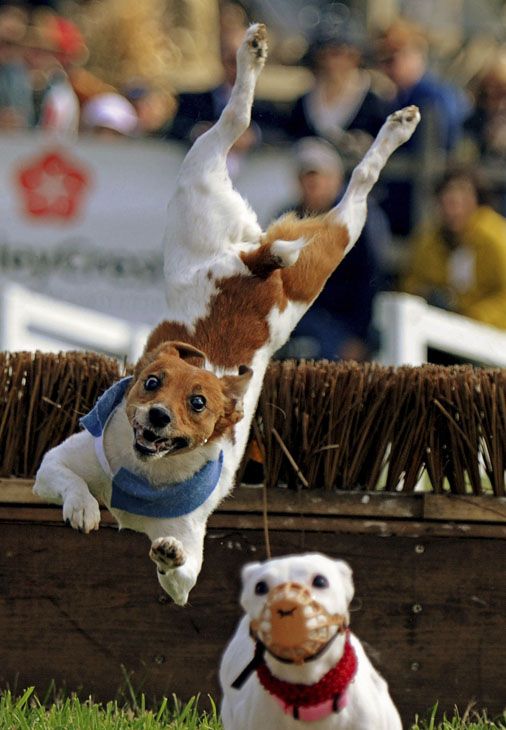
<point>459,261</point>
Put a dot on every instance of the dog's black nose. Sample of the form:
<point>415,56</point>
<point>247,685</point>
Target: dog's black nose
<point>158,417</point>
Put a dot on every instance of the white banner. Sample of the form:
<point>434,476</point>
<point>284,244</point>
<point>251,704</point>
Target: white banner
<point>84,222</point>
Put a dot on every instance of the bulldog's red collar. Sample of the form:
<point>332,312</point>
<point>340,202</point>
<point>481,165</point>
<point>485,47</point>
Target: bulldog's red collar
<point>314,701</point>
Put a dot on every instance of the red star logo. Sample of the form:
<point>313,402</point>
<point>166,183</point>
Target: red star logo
<point>52,186</point>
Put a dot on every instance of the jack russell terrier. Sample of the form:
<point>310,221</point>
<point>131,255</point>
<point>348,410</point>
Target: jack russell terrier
<point>235,294</point>
<point>293,657</point>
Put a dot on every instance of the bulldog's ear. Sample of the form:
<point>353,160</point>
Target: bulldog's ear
<point>248,570</point>
<point>247,575</point>
<point>171,347</point>
<point>346,574</point>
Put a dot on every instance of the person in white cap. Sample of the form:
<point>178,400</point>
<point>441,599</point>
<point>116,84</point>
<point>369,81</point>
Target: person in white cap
<point>109,115</point>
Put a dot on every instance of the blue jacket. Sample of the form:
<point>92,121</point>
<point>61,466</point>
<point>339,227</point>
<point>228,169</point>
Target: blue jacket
<point>447,105</point>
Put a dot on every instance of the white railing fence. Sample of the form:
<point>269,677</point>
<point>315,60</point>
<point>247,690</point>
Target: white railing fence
<point>408,326</point>
<point>31,321</point>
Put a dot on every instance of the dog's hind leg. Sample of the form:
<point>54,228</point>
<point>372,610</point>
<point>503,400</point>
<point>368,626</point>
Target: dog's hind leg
<point>331,236</point>
<point>352,210</point>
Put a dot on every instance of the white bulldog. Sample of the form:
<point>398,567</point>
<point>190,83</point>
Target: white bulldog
<point>293,662</point>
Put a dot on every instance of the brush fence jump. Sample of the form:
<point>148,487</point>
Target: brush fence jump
<point>86,611</point>
<point>409,326</point>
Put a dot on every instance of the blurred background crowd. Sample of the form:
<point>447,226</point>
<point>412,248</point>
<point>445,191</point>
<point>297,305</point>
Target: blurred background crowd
<point>124,69</point>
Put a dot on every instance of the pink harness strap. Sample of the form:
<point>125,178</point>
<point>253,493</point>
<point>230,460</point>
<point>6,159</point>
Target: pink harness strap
<point>314,712</point>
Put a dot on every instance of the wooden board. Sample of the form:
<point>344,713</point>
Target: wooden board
<point>376,505</point>
<point>77,608</point>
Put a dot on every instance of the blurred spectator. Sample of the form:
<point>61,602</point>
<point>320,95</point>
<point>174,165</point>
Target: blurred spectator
<point>109,115</point>
<point>403,55</point>
<point>52,45</point>
<point>155,108</point>
<point>16,104</point>
<point>402,52</point>
<point>487,124</point>
<point>198,112</point>
<point>338,325</point>
<point>459,262</point>
<point>341,106</point>
<point>160,41</point>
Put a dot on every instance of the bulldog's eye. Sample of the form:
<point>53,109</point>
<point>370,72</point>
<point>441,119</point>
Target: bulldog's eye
<point>319,581</point>
<point>152,383</point>
<point>261,588</point>
<point>198,403</point>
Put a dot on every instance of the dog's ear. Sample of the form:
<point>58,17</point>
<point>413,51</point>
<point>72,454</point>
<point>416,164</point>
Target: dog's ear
<point>247,573</point>
<point>171,347</point>
<point>188,352</point>
<point>248,570</point>
<point>346,574</point>
<point>233,387</point>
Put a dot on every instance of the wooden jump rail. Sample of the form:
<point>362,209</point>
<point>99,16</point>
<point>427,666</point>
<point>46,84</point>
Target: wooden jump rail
<point>349,512</point>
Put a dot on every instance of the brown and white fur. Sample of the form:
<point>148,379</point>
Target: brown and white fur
<point>369,705</point>
<point>235,293</point>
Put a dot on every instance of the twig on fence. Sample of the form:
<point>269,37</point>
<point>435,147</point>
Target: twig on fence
<point>265,511</point>
<point>290,458</point>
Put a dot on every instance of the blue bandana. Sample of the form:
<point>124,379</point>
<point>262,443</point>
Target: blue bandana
<point>135,494</point>
<point>95,420</point>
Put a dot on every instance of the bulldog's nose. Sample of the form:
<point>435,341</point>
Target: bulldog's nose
<point>286,611</point>
<point>158,416</point>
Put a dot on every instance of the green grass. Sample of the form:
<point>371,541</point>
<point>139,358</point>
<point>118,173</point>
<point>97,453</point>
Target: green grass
<point>70,713</point>
<point>469,721</point>
<point>27,712</point>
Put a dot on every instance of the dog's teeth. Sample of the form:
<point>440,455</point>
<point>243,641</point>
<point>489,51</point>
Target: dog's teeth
<point>308,611</point>
<point>265,627</point>
<point>312,623</point>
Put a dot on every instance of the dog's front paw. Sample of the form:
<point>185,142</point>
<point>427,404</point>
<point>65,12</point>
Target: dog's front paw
<point>82,511</point>
<point>167,553</point>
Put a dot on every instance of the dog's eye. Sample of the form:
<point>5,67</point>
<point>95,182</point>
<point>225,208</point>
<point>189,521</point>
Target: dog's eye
<point>198,403</point>
<point>319,581</point>
<point>261,588</point>
<point>152,383</point>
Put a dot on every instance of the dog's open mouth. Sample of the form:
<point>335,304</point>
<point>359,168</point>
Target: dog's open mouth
<point>148,443</point>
